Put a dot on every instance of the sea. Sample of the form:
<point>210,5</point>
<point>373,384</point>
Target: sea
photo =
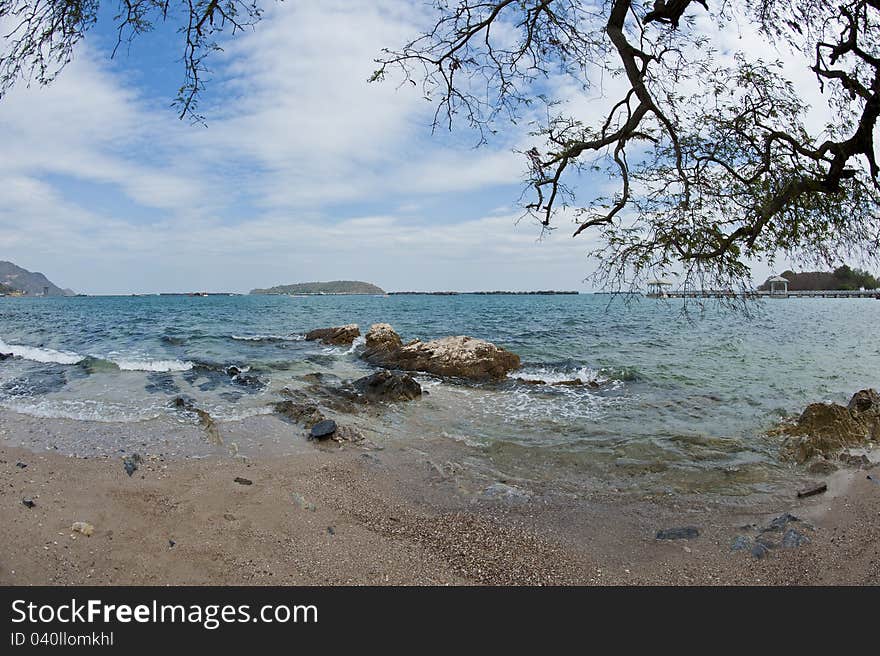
<point>686,393</point>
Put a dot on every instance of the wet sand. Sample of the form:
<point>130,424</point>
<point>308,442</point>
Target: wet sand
<point>349,515</point>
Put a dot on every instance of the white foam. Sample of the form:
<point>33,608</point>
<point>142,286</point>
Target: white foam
<point>38,354</point>
<point>84,410</point>
<point>268,338</point>
<point>152,365</point>
<point>551,376</point>
<point>360,340</point>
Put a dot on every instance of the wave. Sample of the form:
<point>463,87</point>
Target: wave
<point>152,365</point>
<point>40,354</point>
<point>360,340</point>
<point>267,339</point>
<point>554,374</point>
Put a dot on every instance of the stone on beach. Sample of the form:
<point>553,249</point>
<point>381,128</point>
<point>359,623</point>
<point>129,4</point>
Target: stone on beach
<point>335,336</point>
<point>682,533</point>
<point>323,429</point>
<point>307,414</point>
<point>82,527</point>
<point>459,356</point>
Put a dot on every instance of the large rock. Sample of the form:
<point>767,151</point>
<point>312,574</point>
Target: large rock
<point>827,428</point>
<point>462,357</point>
<point>337,336</point>
<point>387,387</point>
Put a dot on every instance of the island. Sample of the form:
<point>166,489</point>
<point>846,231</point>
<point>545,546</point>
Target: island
<point>343,287</point>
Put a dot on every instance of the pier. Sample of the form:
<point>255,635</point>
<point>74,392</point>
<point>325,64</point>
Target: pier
<point>821,293</point>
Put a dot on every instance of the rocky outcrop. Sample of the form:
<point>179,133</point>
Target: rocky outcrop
<point>336,336</point>
<point>824,429</point>
<point>387,387</point>
<point>461,357</point>
<point>307,414</point>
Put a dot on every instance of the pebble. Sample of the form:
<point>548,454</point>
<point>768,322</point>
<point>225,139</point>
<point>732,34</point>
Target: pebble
<point>741,543</point>
<point>323,429</point>
<point>82,527</point>
<point>27,501</point>
<point>793,539</point>
<point>682,533</point>
<point>243,481</point>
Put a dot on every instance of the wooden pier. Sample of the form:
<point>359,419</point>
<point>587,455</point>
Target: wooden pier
<point>711,293</point>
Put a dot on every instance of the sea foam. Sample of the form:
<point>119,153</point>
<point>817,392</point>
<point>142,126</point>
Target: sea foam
<point>40,354</point>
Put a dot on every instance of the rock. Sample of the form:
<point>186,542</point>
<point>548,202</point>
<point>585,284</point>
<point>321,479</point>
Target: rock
<point>824,429</point>
<point>531,381</point>
<point>347,434</point>
<point>130,463</point>
<point>812,490</point>
<point>683,533</point>
<point>865,405</point>
<point>242,481</point>
<point>307,414</point>
<point>82,527</point>
<point>171,544</point>
<point>822,466</point>
<point>857,461</point>
<point>759,550</point>
<point>779,523</point>
<point>5,356</point>
<point>577,382</point>
<point>793,539</point>
<point>28,502</point>
<point>460,356</point>
<point>387,387</point>
<point>336,336</point>
<point>323,429</point>
<point>300,501</point>
<point>21,465</point>
<point>504,492</point>
<point>205,420</point>
<point>741,543</point>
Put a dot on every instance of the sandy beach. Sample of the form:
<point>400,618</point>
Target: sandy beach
<point>354,516</point>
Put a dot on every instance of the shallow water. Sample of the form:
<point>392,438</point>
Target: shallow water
<point>682,403</point>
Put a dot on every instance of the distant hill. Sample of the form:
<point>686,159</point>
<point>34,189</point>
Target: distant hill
<point>332,287</point>
<point>32,284</point>
<point>842,278</point>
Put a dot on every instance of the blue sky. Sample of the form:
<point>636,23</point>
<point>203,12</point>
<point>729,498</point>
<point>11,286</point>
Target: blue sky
<point>304,171</point>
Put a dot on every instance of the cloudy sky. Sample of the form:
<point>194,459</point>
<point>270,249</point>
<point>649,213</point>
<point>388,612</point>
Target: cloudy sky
<point>303,172</point>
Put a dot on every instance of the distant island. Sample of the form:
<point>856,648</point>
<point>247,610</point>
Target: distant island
<point>332,287</point>
<point>15,281</point>
<point>548,292</point>
<point>842,278</point>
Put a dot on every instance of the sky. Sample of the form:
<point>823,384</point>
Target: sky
<point>303,172</point>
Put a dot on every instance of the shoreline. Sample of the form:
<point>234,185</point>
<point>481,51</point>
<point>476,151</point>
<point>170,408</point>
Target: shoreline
<point>326,515</point>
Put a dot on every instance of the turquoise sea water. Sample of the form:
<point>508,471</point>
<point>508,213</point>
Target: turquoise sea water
<point>691,395</point>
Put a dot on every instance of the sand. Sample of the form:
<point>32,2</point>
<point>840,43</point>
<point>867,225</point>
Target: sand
<point>353,516</point>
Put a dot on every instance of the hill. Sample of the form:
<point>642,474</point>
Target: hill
<point>332,287</point>
<point>842,278</point>
<point>31,283</point>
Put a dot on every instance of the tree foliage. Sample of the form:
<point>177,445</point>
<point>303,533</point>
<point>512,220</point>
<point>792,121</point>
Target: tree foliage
<point>711,155</point>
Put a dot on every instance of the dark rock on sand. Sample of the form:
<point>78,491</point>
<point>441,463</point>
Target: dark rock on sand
<point>759,550</point>
<point>242,481</point>
<point>792,539</point>
<point>824,429</point>
<point>460,356</point>
<point>336,336</point>
<point>28,502</point>
<point>323,429</point>
<point>812,490</point>
<point>779,523</point>
<point>387,387</point>
<point>682,533</point>
<point>130,463</point>
<point>741,543</point>
<point>21,465</point>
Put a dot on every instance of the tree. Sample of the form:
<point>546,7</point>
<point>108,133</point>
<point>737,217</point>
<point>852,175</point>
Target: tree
<point>713,161</point>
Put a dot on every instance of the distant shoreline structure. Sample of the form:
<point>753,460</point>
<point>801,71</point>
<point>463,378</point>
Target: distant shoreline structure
<point>548,292</point>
